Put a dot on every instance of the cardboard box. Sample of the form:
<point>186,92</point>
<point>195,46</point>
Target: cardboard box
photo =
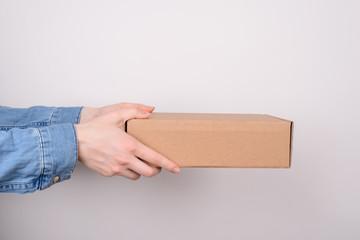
<point>217,140</point>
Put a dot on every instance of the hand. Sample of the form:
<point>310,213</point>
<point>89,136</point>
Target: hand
<point>105,147</point>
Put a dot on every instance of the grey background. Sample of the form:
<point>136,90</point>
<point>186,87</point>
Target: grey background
<point>297,60</point>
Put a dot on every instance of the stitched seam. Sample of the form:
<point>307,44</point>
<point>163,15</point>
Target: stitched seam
<point>42,157</point>
<point>52,115</point>
<point>8,127</point>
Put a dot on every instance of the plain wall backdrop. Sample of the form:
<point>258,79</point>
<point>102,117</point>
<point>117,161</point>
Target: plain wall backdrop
<point>299,60</point>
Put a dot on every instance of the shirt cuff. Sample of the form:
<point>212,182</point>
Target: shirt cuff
<point>59,151</point>
<point>66,115</point>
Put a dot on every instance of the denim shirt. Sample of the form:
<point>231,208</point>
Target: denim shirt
<point>38,147</point>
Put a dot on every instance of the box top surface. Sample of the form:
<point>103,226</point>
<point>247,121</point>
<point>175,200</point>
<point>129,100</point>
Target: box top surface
<point>214,116</point>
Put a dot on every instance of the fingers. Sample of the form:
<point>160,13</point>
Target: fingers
<point>138,106</point>
<point>144,169</point>
<point>128,173</point>
<point>121,112</point>
<point>155,158</point>
<point>145,108</point>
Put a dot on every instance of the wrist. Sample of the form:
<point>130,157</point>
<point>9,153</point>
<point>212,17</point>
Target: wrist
<point>79,137</point>
<point>88,113</point>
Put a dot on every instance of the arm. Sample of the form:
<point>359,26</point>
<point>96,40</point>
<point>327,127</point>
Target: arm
<point>35,158</point>
<point>37,116</point>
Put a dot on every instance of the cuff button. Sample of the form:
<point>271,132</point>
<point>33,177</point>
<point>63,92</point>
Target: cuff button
<point>56,179</point>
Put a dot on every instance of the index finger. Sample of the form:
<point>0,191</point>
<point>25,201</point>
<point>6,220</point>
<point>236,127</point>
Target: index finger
<point>151,156</point>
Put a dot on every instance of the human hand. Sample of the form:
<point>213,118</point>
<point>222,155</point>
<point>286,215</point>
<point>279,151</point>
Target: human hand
<point>105,147</point>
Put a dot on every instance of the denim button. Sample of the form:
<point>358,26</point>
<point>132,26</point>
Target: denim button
<point>56,179</point>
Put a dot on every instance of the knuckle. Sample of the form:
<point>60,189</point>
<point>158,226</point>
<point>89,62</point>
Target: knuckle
<point>107,174</point>
<point>136,177</point>
<point>122,161</point>
<point>151,172</point>
<point>140,153</point>
<point>130,146</point>
<point>117,169</point>
<point>157,159</point>
<point>147,174</point>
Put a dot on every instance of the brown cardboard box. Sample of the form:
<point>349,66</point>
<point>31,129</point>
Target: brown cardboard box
<point>217,140</point>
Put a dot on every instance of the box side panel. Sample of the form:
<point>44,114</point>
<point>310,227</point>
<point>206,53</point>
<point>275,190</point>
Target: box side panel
<point>216,144</point>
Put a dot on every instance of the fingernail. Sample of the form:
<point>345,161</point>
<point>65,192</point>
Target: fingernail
<point>176,170</point>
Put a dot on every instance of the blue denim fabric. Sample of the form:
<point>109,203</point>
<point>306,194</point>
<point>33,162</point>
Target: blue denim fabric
<point>38,147</point>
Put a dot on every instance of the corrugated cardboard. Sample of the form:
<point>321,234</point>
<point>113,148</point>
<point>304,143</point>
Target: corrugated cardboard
<point>217,140</point>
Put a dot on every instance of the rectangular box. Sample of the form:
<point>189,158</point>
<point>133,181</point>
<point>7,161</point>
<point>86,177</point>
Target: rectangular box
<point>217,140</point>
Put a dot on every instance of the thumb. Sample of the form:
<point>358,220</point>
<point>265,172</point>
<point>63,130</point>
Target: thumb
<point>120,116</point>
<point>131,113</point>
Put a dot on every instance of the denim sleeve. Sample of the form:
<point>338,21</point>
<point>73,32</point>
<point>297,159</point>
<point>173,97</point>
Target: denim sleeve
<point>37,116</point>
<point>36,158</point>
